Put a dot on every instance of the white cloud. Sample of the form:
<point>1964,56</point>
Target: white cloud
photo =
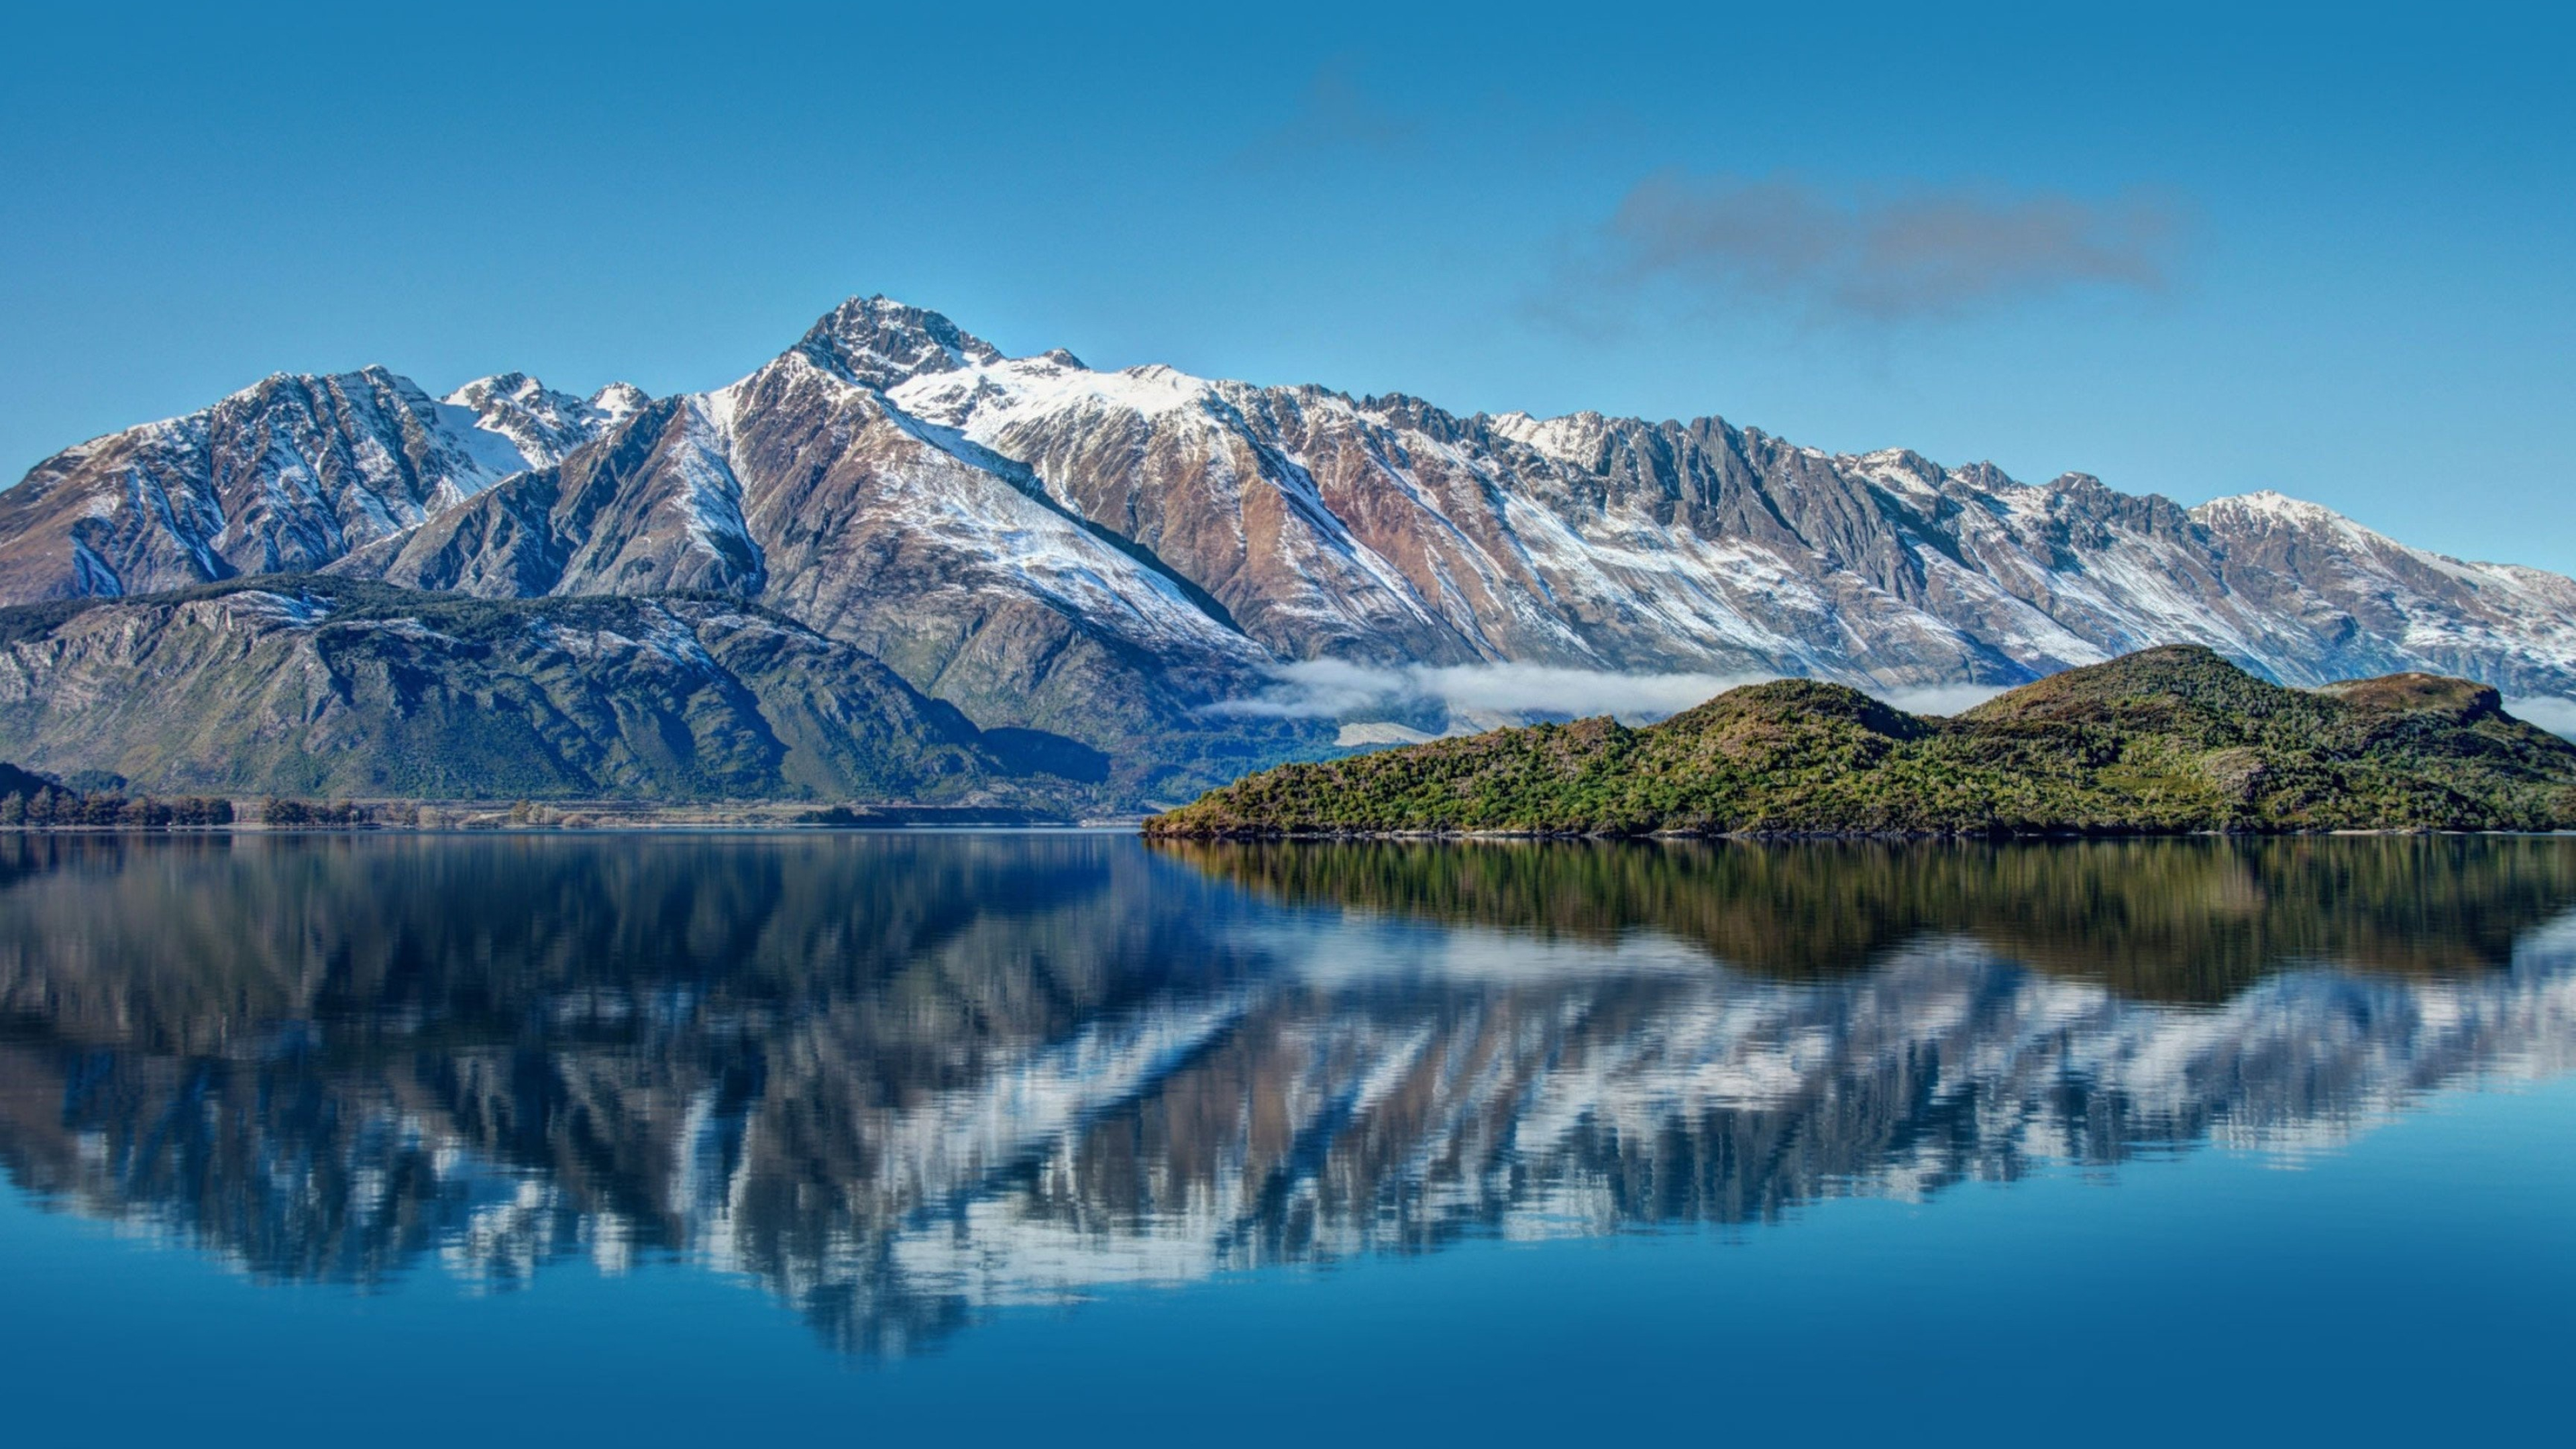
<point>2556,715</point>
<point>1338,689</point>
<point>1543,689</point>
<point>1940,698</point>
<point>1335,688</point>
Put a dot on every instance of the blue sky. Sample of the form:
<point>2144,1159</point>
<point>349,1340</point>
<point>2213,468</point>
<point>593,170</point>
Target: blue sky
<point>2192,251</point>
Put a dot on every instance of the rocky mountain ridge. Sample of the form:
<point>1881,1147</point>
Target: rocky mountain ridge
<point>1134,557</point>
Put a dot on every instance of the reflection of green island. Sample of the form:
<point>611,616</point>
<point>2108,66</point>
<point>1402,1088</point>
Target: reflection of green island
<point>2164,741</point>
<point>2162,920</point>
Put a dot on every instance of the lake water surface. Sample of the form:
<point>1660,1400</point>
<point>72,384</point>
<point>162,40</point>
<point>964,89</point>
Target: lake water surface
<point>1066,1137</point>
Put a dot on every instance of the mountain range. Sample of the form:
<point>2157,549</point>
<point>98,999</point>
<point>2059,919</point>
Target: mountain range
<point>1196,577</point>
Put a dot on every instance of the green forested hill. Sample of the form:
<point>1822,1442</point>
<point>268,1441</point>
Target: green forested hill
<point>2172,739</point>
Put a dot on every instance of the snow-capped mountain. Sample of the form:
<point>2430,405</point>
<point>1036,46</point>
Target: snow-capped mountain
<point>290,473</point>
<point>805,485</point>
<point>1387,530</point>
<point>1109,553</point>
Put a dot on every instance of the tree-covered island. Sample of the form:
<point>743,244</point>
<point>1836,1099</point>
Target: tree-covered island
<point>2162,741</point>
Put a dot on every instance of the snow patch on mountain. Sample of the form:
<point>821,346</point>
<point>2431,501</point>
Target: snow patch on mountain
<point>1575,438</point>
<point>713,501</point>
<point>536,425</point>
<point>984,399</point>
<point>617,402</point>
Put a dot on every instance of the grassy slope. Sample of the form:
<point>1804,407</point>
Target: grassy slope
<point>2172,739</point>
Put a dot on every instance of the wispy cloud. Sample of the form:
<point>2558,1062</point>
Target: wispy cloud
<point>1922,253</point>
<point>1334,113</point>
<point>1338,689</point>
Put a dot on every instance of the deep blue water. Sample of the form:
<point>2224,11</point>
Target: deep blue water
<point>1046,1138</point>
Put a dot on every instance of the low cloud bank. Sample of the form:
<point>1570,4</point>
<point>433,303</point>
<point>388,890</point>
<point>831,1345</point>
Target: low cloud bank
<point>1940,698</point>
<point>2556,715</point>
<point>1338,689</point>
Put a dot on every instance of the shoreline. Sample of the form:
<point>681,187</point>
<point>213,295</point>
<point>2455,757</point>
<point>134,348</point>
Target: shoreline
<point>1255,837</point>
<point>589,817</point>
<point>649,826</point>
<point>681,827</point>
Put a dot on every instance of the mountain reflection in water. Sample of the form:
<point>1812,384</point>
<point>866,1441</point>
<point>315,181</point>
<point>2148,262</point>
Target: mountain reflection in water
<point>903,1079</point>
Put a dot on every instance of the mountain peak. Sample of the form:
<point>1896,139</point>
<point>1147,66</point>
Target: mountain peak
<point>500,387</point>
<point>619,401</point>
<point>372,378</point>
<point>2270,506</point>
<point>878,342</point>
<point>543,424</point>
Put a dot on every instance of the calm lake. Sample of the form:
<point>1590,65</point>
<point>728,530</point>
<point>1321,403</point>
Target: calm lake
<point>1066,1137</point>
